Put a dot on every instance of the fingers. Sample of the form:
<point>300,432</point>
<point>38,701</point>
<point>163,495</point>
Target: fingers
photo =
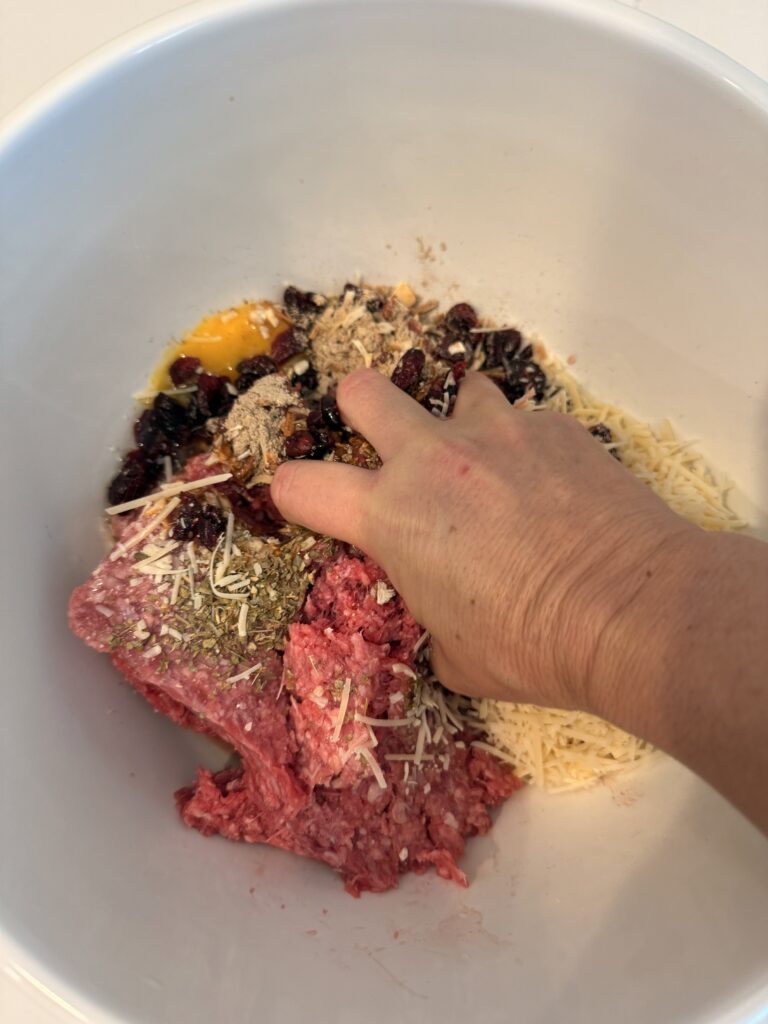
<point>478,395</point>
<point>386,416</point>
<point>326,497</point>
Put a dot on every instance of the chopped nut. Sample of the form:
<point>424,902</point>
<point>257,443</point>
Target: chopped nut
<point>405,294</point>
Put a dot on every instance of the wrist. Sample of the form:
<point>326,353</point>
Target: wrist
<point>641,646</point>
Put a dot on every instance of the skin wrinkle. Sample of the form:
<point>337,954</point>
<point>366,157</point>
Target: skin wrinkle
<point>624,606</point>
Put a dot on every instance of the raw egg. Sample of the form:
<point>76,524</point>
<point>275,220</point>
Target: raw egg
<point>222,340</point>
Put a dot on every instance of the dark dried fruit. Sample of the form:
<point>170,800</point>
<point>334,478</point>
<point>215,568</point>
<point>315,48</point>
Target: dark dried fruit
<point>407,374</point>
<point>315,419</point>
<point>145,431</point>
<point>253,507</point>
<point>434,401</point>
<point>454,347</point>
<point>288,344</point>
<point>300,307</point>
<point>461,317</point>
<point>374,304</point>
<point>307,379</point>
<point>212,397</point>
<point>522,376</point>
<point>527,352</point>
<point>605,436</point>
<point>171,418</point>
<point>602,433</point>
<point>253,369</point>
<point>196,520</point>
<point>184,370</point>
<point>355,291</point>
<point>323,439</point>
<point>498,346</point>
<point>300,445</point>
<point>330,412</point>
<point>459,371</point>
<point>163,428</point>
<point>441,395</point>
<point>135,478</point>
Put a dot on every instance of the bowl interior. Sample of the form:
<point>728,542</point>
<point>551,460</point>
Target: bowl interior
<point>572,170</point>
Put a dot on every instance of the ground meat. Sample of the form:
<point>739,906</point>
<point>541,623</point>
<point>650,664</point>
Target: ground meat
<point>302,783</point>
<point>370,836</point>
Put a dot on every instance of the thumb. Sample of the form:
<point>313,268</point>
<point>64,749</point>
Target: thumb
<point>327,497</point>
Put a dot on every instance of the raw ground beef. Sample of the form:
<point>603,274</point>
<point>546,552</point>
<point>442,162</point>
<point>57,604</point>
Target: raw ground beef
<point>302,783</point>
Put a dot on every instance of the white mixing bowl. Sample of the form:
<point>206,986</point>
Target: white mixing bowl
<point>575,167</point>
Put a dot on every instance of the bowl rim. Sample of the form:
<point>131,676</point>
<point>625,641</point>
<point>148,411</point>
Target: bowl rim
<point>611,14</point>
<point>56,997</point>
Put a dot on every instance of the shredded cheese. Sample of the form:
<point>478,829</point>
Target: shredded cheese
<point>392,723</point>
<point>374,765</point>
<point>151,526</point>
<point>242,621</point>
<point>335,735</point>
<point>404,670</point>
<point>168,491</point>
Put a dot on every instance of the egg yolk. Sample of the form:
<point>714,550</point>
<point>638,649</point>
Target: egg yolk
<point>223,340</point>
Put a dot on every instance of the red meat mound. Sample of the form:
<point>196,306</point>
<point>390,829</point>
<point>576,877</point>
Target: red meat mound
<point>305,781</point>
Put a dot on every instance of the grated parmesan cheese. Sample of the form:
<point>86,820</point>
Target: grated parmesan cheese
<point>168,491</point>
<point>342,710</point>
<point>374,765</point>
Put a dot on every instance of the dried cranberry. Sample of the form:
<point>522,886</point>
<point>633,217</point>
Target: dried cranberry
<point>461,317</point>
<point>434,400</point>
<point>145,431</point>
<point>521,376</point>
<point>459,370</point>
<point>171,418</point>
<point>211,528</point>
<point>253,507</point>
<point>253,369</point>
<point>441,395</point>
<point>184,370</point>
<point>330,412</point>
<point>288,344</point>
<point>315,419</point>
<point>455,348</point>
<point>185,520</point>
<point>307,379</point>
<point>300,445</point>
<point>602,433</point>
<point>323,439</point>
<point>196,520</point>
<point>605,436</point>
<point>498,346</point>
<point>134,479</point>
<point>300,307</point>
<point>163,427</point>
<point>212,397</point>
<point>407,374</point>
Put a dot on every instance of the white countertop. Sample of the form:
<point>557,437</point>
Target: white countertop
<point>40,38</point>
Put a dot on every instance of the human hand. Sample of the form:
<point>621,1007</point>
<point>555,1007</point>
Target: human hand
<point>514,537</point>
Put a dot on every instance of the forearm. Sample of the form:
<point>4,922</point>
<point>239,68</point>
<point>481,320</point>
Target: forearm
<point>687,666</point>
